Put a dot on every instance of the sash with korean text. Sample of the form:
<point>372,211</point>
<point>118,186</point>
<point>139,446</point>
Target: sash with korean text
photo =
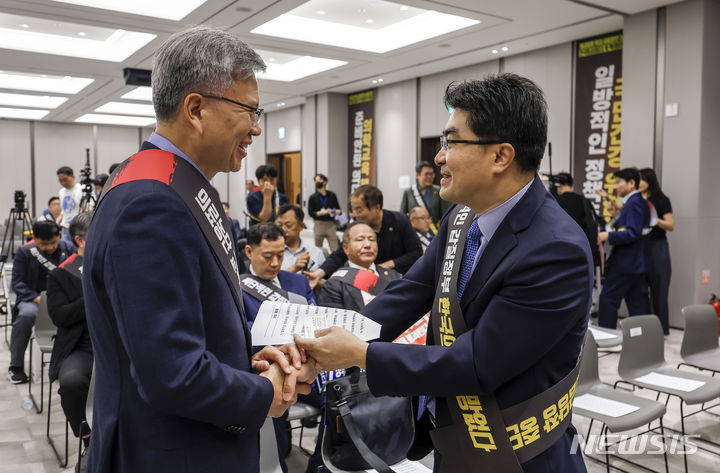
<point>38,256</point>
<point>73,265</point>
<point>421,202</point>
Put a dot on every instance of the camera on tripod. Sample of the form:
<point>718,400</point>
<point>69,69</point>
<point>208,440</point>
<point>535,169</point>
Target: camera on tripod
<point>20,197</point>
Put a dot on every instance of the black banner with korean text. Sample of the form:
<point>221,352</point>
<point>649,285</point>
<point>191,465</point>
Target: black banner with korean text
<point>598,114</point>
<point>361,139</point>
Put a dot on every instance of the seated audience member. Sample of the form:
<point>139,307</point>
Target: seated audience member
<point>420,221</point>
<point>53,212</point>
<point>72,356</point>
<point>250,186</point>
<point>398,245</point>
<point>264,204</point>
<point>234,223</point>
<point>70,194</point>
<point>298,257</point>
<point>425,194</point>
<point>266,281</point>
<point>31,265</point>
<point>356,284</point>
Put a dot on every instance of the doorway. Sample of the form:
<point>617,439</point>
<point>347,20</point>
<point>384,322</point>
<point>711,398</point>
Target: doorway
<point>429,147</point>
<point>289,174</point>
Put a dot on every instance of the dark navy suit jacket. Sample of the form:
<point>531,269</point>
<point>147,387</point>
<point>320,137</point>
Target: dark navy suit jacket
<point>627,254</point>
<point>173,387</point>
<point>526,307</point>
<point>28,276</point>
<point>291,282</point>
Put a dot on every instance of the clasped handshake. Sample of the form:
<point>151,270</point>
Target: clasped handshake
<point>293,367</point>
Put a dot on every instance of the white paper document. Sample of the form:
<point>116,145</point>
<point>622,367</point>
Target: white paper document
<point>604,406</point>
<point>671,382</point>
<point>407,466</point>
<point>276,322</point>
<point>600,335</point>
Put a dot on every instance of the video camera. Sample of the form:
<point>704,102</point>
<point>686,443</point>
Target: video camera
<point>20,197</point>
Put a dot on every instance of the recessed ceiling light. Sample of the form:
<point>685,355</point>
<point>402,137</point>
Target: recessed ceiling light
<point>320,12</point>
<point>380,80</point>
<point>290,67</point>
<point>302,24</point>
<point>167,9</point>
<point>404,8</point>
<point>127,109</point>
<point>495,51</point>
<point>281,104</point>
<point>504,48</point>
<point>272,59</point>
<point>23,113</point>
<point>374,81</point>
<point>139,93</point>
<point>115,119</point>
<point>37,101</point>
<point>60,38</point>
<point>82,33</point>
<point>43,83</point>
<point>25,25</point>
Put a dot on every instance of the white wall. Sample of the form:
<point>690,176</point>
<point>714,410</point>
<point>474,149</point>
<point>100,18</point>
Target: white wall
<point>332,146</point>
<point>114,145</point>
<point>395,138</point>
<point>290,119</point>
<point>309,149</point>
<point>14,164</point>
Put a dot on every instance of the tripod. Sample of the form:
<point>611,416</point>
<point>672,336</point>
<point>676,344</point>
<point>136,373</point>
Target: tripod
<point>17,213</point>
<point>88,200</point>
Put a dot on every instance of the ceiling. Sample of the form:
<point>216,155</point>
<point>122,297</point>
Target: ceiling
<point>518,25</point>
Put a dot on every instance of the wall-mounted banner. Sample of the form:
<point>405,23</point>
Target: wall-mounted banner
<point>361,139</point>
<point>598,114</point>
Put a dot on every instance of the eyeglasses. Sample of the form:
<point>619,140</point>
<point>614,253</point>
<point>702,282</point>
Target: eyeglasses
<point>258,112</point>
<point>444,142</point>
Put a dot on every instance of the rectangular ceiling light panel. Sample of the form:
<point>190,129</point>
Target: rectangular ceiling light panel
<point>139,93</point>
<point>289,67</point>
<point>115,120</point>
<point>43,82</point>
<point>36,101</point>
<point>165,9</point>
<point>22,113</point>
<point>38,35</point>
<point>127,109</point>
<point>351,25</point>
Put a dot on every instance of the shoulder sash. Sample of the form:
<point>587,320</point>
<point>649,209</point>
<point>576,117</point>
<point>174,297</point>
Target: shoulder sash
<point>73,265</point>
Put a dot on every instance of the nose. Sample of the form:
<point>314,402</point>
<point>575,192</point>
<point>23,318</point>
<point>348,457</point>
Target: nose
<point>440,157</point>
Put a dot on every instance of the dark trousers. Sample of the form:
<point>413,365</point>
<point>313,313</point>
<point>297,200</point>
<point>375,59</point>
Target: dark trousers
<point>619,286</point>
<point>657,259</point>
<point>21,331</point>
<point>74,378</point>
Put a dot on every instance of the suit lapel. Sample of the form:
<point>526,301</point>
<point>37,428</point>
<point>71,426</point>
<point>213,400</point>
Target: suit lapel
<point>355,295</point>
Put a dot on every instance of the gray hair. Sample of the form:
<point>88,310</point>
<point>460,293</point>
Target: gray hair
<point>199,59</point>
<point>80,224</point>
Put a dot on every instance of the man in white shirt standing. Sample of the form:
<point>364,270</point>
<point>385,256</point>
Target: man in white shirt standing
<point>70,194</point>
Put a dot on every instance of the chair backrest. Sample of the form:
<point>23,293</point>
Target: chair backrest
<point>643,346</point>
<point>44,327</point>
<point>701,329</point>
<point>269,461</point>
<point>90,398</point>
<point>589,375</point>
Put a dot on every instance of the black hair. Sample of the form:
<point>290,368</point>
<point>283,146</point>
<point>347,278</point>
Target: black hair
<point>299,214</point>
<point>563,179</point>
<point>46,229</point>
<point>52,198</point>
<point>648,175</point>
<point>322,177</point>
<point>264,231</point>
<point>346,233</point>
<point>422,164</point>
<point>225,204</point>
<point>505,107</point>
<point>80,224</point>
<point>100,179</point>
<point>112,167</point>
<point>266,170</point>
<point>629,174</point>
<point>370,195</point>
<point>65,170</point>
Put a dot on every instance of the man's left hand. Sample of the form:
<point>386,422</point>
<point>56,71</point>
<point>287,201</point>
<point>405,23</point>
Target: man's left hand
<point>602,237</point>
<point>389,264</point>
<point>334,348</point>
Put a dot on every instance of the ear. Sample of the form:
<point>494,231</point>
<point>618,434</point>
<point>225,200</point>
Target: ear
<point>248,251</point>
<point>192,111</point>
<point>504,157</point>
<point>345,248</point>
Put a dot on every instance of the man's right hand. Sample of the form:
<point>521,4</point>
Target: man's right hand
<point>314,277</point>
<point>277,377</point>
<point>301,262</point>
<point>267,189</point>
<point>37,300</point>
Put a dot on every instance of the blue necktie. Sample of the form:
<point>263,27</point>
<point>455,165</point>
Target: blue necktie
<point>472,244</point>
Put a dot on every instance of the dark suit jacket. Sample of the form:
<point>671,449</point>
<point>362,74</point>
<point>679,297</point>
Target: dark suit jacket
<point>291,282</point>
<point>336,293</point>
<point>28,276</point>
<point>67,311</point>
<point>526,307</point>
<point>396,241</point>
<point>173,387</point>
<point>437,207</point>
<point>627,254</point>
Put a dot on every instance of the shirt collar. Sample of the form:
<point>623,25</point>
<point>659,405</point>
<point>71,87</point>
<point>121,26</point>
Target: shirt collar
<point>167,145</point>
<point>274,280</point>
<point>489,222</point>
<point>301,249</point>
<point>625,199</point>
<point>372,267</point>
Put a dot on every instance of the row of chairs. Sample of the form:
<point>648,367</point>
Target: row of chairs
<point>642,364</point>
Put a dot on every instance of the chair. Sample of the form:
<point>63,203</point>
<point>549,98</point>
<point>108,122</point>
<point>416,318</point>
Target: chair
<point>590,388</point>
<point>43,334</point>
<point>269,462</point>
<point>5,308</point>
<point>606,337</point>
<point>699,347</point>
<point>642,364</point>
<point>304,413</point>
<point>85,426</point>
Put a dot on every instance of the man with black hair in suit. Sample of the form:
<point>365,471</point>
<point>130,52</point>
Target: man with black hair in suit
<point>264,204</point>
<point>625,268</point>
<point>31,266</point>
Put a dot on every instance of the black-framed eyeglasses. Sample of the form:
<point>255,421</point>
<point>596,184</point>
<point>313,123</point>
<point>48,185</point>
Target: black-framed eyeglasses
<point>257,111</point>
<point>444,142</point>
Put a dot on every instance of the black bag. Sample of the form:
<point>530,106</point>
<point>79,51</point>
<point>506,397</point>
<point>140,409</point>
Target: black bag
<point>364,431</point>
